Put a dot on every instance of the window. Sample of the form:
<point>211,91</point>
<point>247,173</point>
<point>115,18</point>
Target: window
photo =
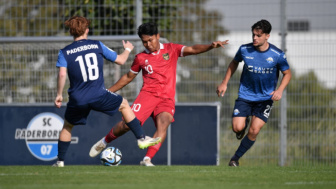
<point>298,25</point>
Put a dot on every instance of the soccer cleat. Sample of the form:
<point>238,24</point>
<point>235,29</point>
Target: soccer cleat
<point>147,162</point>
<point>58,164</point>
<point>148,141</point>
<point>241,134</point>
<point>97,148</point>
<point>233,163</point>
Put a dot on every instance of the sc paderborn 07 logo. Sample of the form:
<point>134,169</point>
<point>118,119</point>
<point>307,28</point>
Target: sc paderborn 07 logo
<point>42,135</point>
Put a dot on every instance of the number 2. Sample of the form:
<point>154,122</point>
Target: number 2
<point>267,111</point>
<point>92,65</point>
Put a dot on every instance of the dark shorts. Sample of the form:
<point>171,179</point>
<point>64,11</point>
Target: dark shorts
<point>260,109</point>
<point>107,103</point>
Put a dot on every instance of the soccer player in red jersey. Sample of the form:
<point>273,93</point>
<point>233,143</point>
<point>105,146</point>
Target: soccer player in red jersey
<point>157,96</point>
<point>82,61</point>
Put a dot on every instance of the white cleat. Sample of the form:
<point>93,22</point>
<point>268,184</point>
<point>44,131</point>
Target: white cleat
<point>147,162</point>
<point>97,148</point>
<point>58,164</point>
<point>148,141</point>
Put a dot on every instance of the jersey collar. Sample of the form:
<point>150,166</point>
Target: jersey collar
<point>157,52</point>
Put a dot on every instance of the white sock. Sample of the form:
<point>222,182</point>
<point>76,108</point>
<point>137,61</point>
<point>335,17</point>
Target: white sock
<point>146,157</point>
<point>104,142</point>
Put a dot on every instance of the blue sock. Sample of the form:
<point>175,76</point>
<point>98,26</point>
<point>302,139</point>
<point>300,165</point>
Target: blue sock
<point>62,149</point>
<point>245,145</point>
<point>136,128</point>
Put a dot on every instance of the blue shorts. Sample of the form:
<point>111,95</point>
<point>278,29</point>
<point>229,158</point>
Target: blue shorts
<point>107,103</point>
<point>245,108</point>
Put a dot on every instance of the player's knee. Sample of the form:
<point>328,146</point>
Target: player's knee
<point>124,127</point>
<point>123,104</point>
<point>237,128</point>
<point>254,132</point>
<point>164,118</point>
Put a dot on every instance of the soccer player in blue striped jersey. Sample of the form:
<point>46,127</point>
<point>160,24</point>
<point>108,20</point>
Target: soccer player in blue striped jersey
<point>258,85</point>
<point>83,61</point>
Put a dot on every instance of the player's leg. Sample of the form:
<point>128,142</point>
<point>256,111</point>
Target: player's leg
<point>163,116</point>
<point>134,124</point>
<point>63,143</point>
<point>74,115</point>
<point>239,126</point>
<point>240,117</point>
<point>163,120</point>
<point>117,130</point>
<point>131,121</point>
<point>121,128</point>
<point>248,140</point>
<point>260,112</point>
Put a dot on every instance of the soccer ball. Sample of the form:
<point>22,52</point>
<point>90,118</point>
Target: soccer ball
<point>111,156</point>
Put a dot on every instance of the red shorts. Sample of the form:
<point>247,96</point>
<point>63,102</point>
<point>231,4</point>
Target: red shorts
<point>146,105</point>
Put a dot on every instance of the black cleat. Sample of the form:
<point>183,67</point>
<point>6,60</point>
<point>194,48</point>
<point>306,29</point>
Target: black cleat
<point>241,134</point>
<point>233,163</point>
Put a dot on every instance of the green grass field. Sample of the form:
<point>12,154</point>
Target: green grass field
<point>160,177</point>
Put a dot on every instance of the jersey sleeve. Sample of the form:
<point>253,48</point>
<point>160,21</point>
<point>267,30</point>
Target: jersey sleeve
<point>61,62</point>
<point>282,62</point>
<point>135,68</point>
<point>178,49</point>
<point>108,53</point>
<point>238,57</point>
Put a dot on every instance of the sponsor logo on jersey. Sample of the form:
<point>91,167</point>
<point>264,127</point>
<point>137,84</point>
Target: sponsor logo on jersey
<point>270,60</point>
<point>166,56</point>
<point>42,134</point>
<point>250,68</point>
<point>260,70</point>
<point>249,57</point>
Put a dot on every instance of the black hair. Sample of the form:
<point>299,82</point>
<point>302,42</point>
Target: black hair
<point>263,25</point>
<point>149,28</point>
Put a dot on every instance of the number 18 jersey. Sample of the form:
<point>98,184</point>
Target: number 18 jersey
<point>84,61</point>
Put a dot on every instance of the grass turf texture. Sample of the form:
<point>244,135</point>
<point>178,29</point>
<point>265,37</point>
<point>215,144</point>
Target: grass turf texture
<point>193,177</point>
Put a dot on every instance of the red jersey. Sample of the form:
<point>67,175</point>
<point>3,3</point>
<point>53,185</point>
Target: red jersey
<point>159,69</point>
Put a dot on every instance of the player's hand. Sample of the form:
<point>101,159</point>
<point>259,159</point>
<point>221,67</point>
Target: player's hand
<point>58,101</point>
<point>128,44</point>
<point>217,44</point>
<point>221,89</point>
<point>276,95</point>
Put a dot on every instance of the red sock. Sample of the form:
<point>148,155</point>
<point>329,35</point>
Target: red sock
<point>151,151</point>
<point>110,136</point>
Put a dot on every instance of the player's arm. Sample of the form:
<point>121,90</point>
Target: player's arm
<point>221,89</point>
<point>197,49</point>
<point>61,78</point>
<point>122,58</point>
<point>277,94</point>
<point>123,81</point>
